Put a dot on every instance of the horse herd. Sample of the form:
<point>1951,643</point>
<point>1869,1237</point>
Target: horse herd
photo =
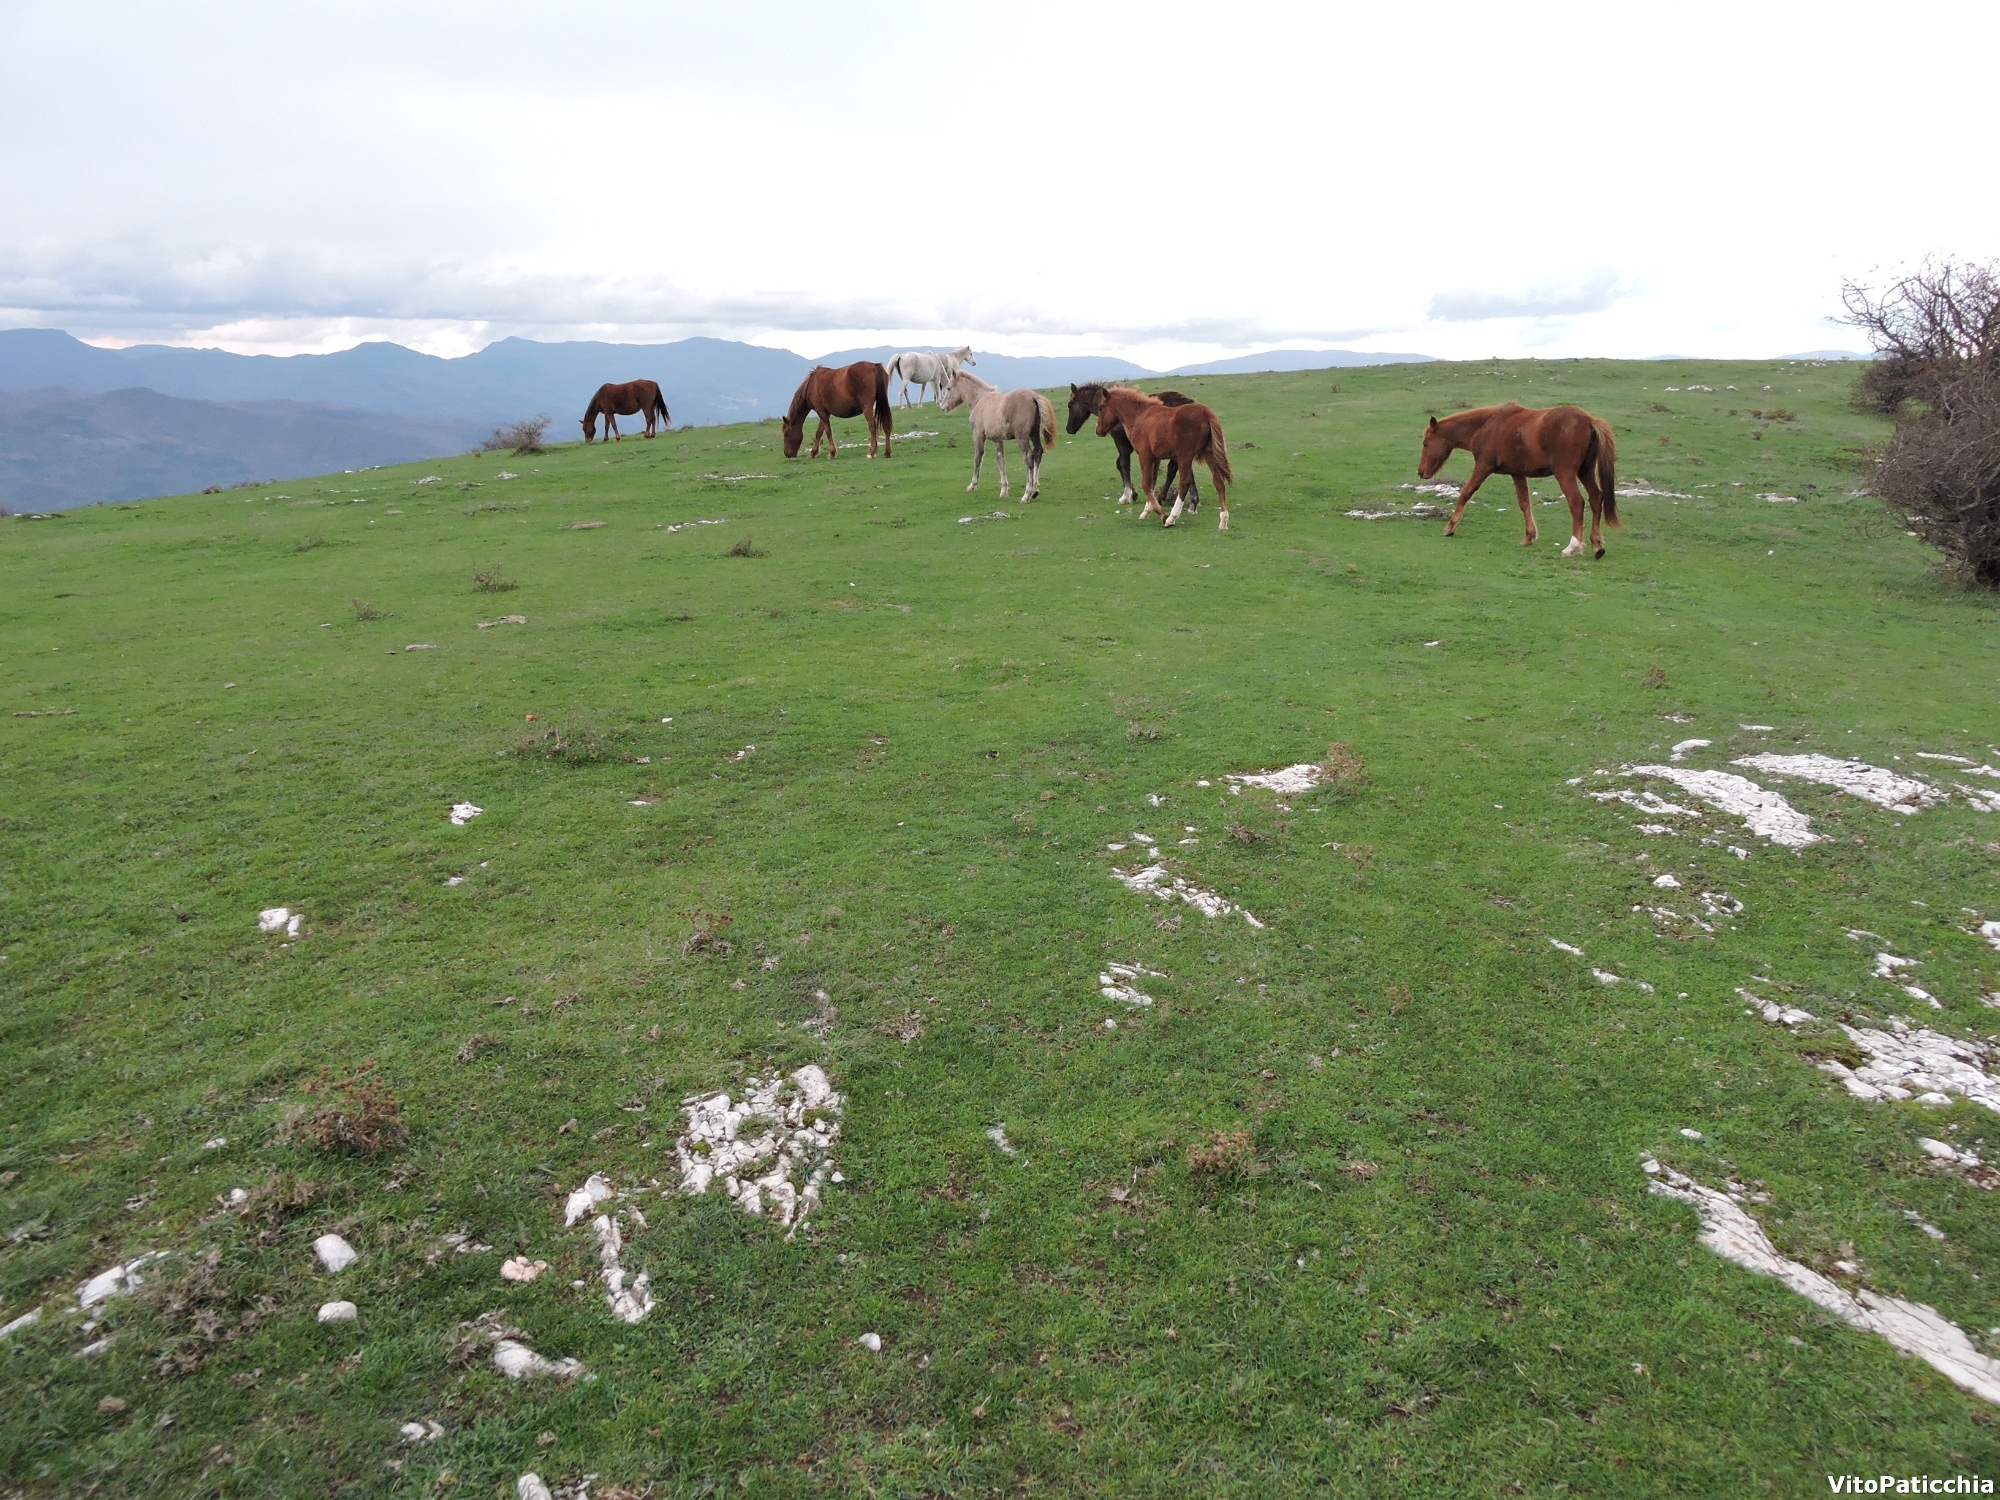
<point>1566,443</point>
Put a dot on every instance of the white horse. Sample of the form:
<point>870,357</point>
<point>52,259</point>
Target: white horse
<point>1028,417</point>
<point>923,370</point>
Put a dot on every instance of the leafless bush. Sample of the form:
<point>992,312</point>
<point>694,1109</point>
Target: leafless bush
<point>1937,332</point>
<point>365,611</point>
<point>524,436</point>
<point>707,935</point>
<point>1941,472</point>
<point>1926,328</point>
<point>199,1309</point>
<point>492,581</point>
<point>744,547</point>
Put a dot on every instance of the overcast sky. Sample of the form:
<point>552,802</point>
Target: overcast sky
<point>1160,181</point>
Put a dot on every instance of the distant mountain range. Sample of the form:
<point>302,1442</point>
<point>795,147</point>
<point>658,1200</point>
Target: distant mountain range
<point>61,448</point>
<point>82,424</point>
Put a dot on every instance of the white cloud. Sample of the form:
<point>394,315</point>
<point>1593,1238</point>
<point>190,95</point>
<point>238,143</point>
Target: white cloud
<point>270,177</point>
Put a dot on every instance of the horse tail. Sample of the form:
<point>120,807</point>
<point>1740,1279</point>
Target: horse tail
<point>1607,471</point>
<point>1048,419</point>
<point>1218,453</point>
<point>883,411</point>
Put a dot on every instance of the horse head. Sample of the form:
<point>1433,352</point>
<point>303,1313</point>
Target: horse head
<point>795,435</point>
<point>589,425</point>
<point>950,398</point>
<point>962,355</point>
<point>1437,448</point>
<point>1084,400</point>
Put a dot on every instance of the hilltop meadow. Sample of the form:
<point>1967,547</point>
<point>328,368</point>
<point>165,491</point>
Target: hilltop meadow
<point>782,765</point>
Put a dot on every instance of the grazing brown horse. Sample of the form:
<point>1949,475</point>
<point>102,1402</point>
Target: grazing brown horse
<point>857,390</point>
<point>633,398</point>
<point>1187,434</point>
<point>1523,443</point>
<point>1084,401</point>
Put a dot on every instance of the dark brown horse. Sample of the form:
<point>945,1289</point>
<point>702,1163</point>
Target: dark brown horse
<point>633,398</point>
<point>857,390</point>
<point>1084,400</point>
<point>1187,434</point>
<point>1523,443</point>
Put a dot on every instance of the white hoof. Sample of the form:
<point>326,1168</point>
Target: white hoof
<point>1575,547</point>
<point>972,486</point>
<point>1223,524</point>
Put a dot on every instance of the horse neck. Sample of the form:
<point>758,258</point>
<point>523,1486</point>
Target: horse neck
<point>801,402</point>
<point>975,386</point>
<point>1120,401</point>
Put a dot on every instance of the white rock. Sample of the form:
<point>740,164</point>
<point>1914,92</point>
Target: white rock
<point>119,1281</point>
<point>1667,882</point>
<point>872,1342</point>
<point>27,1320</point>
<point>517,1361</point>
<point>1693,1135</point>
<point>586,1198</point>
<point>520,1268</point>
<point>530,1487</point>
<point>334,1253</point>
<point>464,812</point>
<point>273,918</point>
<point>1910,1326</point>
<point>338,1312</point>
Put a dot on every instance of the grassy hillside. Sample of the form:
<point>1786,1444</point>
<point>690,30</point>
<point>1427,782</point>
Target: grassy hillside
<point>1431,1266</point>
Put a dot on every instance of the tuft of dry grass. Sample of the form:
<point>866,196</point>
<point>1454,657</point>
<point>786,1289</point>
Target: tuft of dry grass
<point>361,1115</point>
<point>707,935</point>
<point>1225,1154</point>
<point>364,611</point>
<point>493,581</point>
<point>1343,768</point>
<point>1656,676</point>
<point>524,436</point>
<point>574,742</point>
<point>200,1309</point>
<point>744,547</point>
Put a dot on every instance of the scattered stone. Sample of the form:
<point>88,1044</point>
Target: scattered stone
<point>790,1124</point>
<point>422,1432</point>
<point>521,1269</point>
<point>111,1404</point>
<point>27,1319</point>
<point>338,1312</point>
<point>872,1342</point>
<point>334,1253</point>
<point>119,1281</point>
<point>464,812</point>
<point>1730,1231</point>
<point>1901,794</point>
<point>280,919</point>
<point>530,1487</point>
<point>517,1361</point>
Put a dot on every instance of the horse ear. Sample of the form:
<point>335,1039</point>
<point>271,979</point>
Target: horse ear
<point>1434,422</point>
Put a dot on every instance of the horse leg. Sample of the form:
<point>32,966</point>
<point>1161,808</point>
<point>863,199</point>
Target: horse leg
<point>611,428</point>
<point>1596,493</point>
<point>1575,497</point>
<point>1481,472</point>
<point>978,459</point>
<point>1125,496</point>
<point>1527,508</point>
<point>1149,471</point>
<point>1221,495</point>
<point>1000,455</point>
<point>870,415</point>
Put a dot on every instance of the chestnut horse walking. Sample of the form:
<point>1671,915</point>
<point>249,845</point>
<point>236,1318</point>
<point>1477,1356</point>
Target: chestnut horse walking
<point>633,398</point>
<point>857,390</point>
<point>1084,400</point>
<point>1186,434</point>
<point>1524,443</point>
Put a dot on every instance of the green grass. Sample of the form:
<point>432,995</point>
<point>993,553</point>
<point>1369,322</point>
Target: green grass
<point>944,717</point>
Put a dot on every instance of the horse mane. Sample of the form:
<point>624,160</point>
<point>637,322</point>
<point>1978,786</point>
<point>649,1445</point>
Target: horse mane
<point>802,399</point>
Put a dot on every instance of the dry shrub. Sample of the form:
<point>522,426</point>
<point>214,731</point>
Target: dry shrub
<point>1343,768</point>
<point>361,1115</point>
<point>1243,833</point>
<point>279,1198</point>
<point>364,611</point>
<point>473,1046</point>
<point>493,581</point>
<point>707,935</point>
<point>744,547</point>
<point>1225,1154</point>
<point>200,1309</point>
<point>1656,676</point>
<point>574,742</point>
<point>524,436</point>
